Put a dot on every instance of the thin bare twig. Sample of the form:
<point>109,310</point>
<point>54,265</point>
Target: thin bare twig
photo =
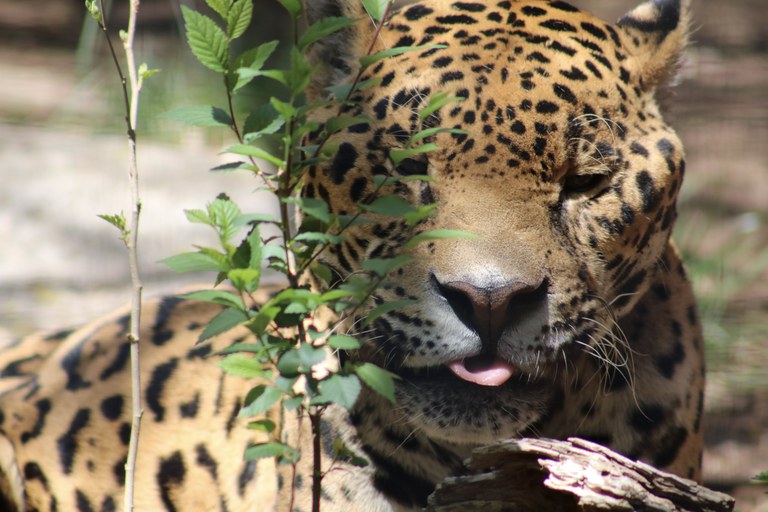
<point>130,234</point>
<point>132,244</point>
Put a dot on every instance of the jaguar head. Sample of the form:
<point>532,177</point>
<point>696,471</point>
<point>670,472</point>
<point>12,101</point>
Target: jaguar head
<point>564,171</point>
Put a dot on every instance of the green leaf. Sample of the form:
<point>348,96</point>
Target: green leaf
<point>436,101</point>
<point>343,342</point>
<point>398,155</point>
<point>193,262</point>
<point>383,266</point>
<point>263,120</point>
<point>322,238</point>
<point>300,71</point>
<point>198,217</point>
<point>256,152</point>
<point>229,166</point>
<point>379,380</point>
<point>263,318</point>
<point>292,6</point>
<point>145,73</point>
<point>199,115</point>
<point>93,9</point>
<point>242,347</point>
<point>273,252</point>
<point>289,365</point>
<point>117,220</point>
<point>439,234</point>
<point>241,365</point>
<point>241,256</point>
<point>385,308</point>
<point>254,242</point>
<point>309,356</point>
<point>264,425</point>
<point>222,297</point>
<point>295,308</point>
<point>307,126</point>
<point>239,18</point>
<point>285,384</point>
<point>346,221</point>
<point>217,256</point>
<point>300,295</point>
<point>220,6</point>
<point>376,8</point>
<point>339,389</point>
<point>206,40</point>
<point>429,132</point>
<point>278,450</point>
<point>286,110</point>
<point>367,60</point>
<point>285,319</point>
<point>256,57</point>
<point>314,208</point>
<point>245,279</point>
<point>342,91</point>
<point>248,64</point>
<point>224,214</point>
<point>264,397</point>
<point>300,360</point>
<point>322,28</point>
<point>337,294</point>
<point>420,213</point>
<point>293,403</point>
<point>392,206</point>
<point>245,75</point>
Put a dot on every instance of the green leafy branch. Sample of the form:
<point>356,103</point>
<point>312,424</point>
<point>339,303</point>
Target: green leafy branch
<point>289,356</point>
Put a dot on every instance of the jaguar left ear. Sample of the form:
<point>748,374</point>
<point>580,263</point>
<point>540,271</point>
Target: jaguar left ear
<point>336,57</point>
<point>658,34</point>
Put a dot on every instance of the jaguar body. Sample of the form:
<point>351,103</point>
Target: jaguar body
<point>568,314</point>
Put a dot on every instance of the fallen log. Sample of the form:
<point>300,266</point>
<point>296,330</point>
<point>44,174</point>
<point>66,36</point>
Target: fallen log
<point>527,475</point>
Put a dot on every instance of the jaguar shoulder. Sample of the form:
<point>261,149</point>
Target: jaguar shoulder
<point>569,315</point>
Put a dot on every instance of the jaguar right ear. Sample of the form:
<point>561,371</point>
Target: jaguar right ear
<point>658,33</point>
<point>337,56</point>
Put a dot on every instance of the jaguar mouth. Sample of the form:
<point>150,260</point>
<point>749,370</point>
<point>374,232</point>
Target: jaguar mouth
<point>473,400</point>
<point>487,371</point>
<point>483,370</point>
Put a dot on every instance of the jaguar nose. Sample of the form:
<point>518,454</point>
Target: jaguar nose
<point>489,311</point>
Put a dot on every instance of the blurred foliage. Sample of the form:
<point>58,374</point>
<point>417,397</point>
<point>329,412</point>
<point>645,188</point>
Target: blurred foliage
<point>724,256</point>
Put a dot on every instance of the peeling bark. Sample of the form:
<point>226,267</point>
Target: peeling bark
<point>573,475</point>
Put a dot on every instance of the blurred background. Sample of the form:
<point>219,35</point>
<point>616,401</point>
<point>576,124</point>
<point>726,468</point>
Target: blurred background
<point>63,157</point>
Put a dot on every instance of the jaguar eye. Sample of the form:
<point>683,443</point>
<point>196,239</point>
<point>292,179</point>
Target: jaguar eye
<point>411,167</point>
<point>578,183</point>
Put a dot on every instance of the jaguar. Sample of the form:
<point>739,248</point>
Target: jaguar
<point>568,314</point>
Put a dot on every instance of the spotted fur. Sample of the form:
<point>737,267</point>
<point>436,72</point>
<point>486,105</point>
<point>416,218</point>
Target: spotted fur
<point>568,175</point>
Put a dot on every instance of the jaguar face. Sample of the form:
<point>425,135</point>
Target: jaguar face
<point>565,173</point>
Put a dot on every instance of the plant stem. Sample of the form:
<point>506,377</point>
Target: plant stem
<point>317,474</point>
<point>131,241</point>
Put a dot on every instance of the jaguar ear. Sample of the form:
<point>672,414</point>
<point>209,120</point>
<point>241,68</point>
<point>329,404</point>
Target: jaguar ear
<point>336,57</point>
<point>658,34</point>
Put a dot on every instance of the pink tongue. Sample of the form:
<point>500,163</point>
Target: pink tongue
<point>483,371</point>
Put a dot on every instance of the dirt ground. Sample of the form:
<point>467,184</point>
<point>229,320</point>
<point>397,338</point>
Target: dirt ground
<point>62,164</point>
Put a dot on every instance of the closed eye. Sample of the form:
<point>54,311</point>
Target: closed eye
<point>580,183</point>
